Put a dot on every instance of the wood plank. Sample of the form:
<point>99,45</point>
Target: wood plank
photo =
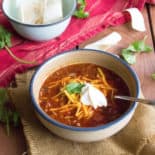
<point>151,15</point>
<point>14,144</point>
<point>145,65</point>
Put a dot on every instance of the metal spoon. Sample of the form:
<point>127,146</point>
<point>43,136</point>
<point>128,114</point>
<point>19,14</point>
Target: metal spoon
<point>134,99</point>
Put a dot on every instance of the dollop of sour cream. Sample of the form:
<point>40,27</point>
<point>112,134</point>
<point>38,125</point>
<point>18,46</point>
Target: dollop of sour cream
<point>92,96</point>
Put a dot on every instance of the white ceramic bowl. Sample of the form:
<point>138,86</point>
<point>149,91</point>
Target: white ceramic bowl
<point>107,60</point>
<point>40,32</point>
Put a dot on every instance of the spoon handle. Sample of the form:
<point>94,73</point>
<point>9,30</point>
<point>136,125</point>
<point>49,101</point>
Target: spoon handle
<point>145,101</point>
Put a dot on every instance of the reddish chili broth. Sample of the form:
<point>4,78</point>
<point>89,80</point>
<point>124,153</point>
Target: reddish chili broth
<point>101,115</point>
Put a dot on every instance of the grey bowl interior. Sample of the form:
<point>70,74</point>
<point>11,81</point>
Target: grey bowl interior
<point>11,10</point>
<point>106,60</point>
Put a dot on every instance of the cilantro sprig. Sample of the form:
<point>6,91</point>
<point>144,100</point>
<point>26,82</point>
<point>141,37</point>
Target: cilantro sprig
<point>5,42</point>
<point>8,114</point>
<point>80,11</point>
<point>74,87</point>
<point>5,37</point>
<point>129,54</point>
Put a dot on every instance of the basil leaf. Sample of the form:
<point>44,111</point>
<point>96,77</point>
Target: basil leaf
<point>129,56</point>
<point>74,87</point>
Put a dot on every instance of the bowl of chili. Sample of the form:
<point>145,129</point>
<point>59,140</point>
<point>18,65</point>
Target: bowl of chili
<point>67,94</point>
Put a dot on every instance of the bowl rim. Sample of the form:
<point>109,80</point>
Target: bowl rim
<point>73,128</point>
<point>39,25</point>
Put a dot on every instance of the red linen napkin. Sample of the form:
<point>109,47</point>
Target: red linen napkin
<point>151,1</point>
<point>103,13</point>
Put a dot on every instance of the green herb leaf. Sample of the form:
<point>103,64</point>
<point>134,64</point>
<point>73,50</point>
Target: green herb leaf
<point>3,96</point>
<point>74,87</point>
<point>139,46</point>
<point>136,47</point>
<point>5,37</point>
<point>5,42</point>
<point>7,114</point>
<point>1,113</point>
<point>81,2</point>
<point>15,118</point>
<point>129,56</point>
<point>7,121</point>
<point>153,76</point>
<point>80,11</point>
<point>81,14</point>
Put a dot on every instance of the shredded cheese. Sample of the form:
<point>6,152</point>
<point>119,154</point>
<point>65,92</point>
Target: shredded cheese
<point>92,96</point>
<point>103,78</point>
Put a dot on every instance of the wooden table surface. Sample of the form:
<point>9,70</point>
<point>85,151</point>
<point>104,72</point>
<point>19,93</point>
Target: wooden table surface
<point>15,144</point>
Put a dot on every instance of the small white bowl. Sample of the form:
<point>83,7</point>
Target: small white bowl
<point>40,32</point>
<point>107,60</point>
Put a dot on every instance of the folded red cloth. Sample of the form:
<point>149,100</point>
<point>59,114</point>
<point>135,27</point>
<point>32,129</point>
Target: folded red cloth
<point>103,13</point>
<point>151,1</point>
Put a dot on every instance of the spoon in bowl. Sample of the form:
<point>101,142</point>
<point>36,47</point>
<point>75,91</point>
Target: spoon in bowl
<point>134,99</point>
